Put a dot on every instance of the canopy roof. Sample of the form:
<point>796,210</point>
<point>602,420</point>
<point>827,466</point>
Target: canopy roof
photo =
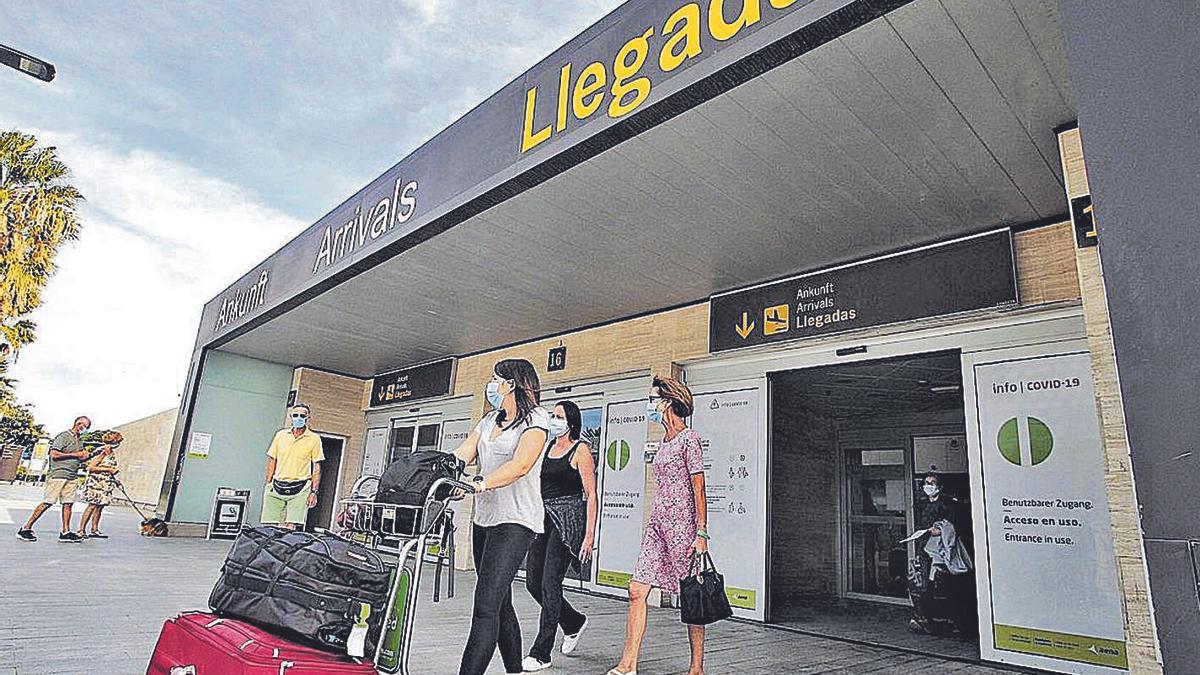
<point>830,131</point>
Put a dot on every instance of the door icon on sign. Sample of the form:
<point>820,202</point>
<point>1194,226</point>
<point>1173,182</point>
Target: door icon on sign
<point>775,320</point>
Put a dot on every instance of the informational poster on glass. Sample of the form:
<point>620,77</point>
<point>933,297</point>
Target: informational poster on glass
<point>728,426</point>
<point>1054,592</point>
<point>454,433</point>
<point>199,445</point>
<point>375,452</point>
<point>622,490</point>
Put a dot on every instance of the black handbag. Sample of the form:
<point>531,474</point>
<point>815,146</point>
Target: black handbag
<point>702,598</point>
<point>288,488</point>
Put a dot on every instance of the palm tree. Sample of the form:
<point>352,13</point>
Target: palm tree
<point>38,212</point>
<point>9,402</point>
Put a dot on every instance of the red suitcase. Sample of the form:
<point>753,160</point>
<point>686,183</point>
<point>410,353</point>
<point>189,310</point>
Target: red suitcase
<point>195,643</point>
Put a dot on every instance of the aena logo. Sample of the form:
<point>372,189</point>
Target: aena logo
<point>617,455</point>
<point>1040,441</point>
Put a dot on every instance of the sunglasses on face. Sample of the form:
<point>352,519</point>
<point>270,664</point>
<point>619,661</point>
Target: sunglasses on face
<point>299,416</point>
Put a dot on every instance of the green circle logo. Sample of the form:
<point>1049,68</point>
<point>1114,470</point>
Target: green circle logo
<point>617,455</point>
<point>1041,441</point>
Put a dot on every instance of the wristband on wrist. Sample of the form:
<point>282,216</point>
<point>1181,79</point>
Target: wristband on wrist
<point>702,533</point>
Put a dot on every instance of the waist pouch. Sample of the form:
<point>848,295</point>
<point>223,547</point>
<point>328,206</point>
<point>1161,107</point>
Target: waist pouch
<point>288,488</point>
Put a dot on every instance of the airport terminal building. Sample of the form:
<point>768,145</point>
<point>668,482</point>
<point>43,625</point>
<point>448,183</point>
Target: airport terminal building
<point>861,231</point>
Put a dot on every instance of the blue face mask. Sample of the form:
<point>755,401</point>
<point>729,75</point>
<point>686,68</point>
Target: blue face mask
<point>299,422</point>
<point>653,413</point>
<point>558,427</point>
<point>494,396</point>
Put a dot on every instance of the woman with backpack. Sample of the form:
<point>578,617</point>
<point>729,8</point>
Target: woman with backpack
<point>569,494</point>
<point>508,444</point>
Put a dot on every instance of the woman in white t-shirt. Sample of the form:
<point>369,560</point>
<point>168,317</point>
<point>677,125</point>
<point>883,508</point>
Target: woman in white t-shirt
<point>508,444</point>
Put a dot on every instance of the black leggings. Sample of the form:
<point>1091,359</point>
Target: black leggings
<point>498,552</point>
<point>544,574</point>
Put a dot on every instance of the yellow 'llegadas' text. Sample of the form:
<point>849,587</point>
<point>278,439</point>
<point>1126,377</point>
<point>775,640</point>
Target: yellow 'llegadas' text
<point>619,87</point>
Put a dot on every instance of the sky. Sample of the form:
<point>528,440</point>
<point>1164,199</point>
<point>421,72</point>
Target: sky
<point>204,135</point>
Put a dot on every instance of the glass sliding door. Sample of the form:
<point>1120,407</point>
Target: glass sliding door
<point>877,501</point>
<point>412,434</point>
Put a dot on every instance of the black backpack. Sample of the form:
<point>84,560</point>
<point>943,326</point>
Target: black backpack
<point>406,481</point>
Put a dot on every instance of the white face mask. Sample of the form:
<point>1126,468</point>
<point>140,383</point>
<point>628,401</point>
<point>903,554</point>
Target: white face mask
<point>558,427</point>
<point>930,489</point>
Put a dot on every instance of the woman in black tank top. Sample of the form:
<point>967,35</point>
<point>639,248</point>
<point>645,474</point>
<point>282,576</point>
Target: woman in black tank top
<point>569,493</point>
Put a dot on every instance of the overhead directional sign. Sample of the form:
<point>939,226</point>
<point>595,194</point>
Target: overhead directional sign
<point>962,275</point>
<point>411,384</point>
<point>775,319</point>
<point>746,327</point>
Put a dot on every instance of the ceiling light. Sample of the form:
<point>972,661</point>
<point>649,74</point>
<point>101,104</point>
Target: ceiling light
<point>945,389</point>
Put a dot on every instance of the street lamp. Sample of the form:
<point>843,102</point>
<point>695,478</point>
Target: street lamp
<point>27,64</point>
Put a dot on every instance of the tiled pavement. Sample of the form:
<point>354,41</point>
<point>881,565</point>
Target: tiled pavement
<point>96,608</point>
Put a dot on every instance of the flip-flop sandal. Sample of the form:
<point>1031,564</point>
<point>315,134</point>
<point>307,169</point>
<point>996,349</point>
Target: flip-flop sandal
<point>98,535</point>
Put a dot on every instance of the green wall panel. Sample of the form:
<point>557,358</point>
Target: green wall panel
<point>241,403</point>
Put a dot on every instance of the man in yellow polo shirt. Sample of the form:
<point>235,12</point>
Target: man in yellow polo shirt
<point>293,472</point>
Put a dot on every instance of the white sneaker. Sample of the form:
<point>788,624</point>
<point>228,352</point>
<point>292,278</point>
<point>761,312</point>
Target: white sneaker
<point>532,665</point>
<point>570,642</point>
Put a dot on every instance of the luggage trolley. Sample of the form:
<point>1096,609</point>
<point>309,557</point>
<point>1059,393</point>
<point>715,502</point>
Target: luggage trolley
<point>403,533</point>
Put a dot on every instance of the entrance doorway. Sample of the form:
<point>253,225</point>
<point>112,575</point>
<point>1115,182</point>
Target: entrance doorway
<point>850,447</point>
<point>321,515</point>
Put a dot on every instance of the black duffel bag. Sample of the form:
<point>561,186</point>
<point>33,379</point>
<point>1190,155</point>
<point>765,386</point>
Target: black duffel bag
<point>406,482</point>
<point>311,587</point>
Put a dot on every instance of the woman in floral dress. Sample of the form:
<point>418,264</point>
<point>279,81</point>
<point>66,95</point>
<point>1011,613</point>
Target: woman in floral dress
<point>678,524</point>
<point>100,484</point>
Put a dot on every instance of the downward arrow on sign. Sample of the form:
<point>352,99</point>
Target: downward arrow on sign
<point>747,326</point>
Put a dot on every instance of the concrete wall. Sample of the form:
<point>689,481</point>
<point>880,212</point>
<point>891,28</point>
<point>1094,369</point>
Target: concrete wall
<point>1110,408</point>
<point>241,402</point>
<point>143,454</point>
<point>1134,76</point>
